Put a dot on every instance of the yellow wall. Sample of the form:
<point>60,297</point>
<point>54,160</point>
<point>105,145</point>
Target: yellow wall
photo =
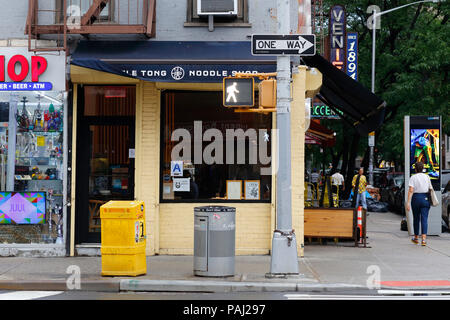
<point>253,229</point>
<point>298,156</point>
<point>147,161</point>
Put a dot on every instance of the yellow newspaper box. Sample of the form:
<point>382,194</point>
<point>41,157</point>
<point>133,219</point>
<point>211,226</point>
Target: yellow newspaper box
<point>123,238</point>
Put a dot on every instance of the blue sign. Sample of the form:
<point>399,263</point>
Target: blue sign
<point>337,27</point>
<point>176,168</point>
<point>25,86</point>
<point>352,55</point>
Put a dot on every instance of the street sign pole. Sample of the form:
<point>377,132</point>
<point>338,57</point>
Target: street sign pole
<point>371,162</point>
<point>284,245</point>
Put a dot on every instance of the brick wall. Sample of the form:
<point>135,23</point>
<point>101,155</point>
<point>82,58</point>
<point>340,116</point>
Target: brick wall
<point>147,162</point>
<point>253,229</point>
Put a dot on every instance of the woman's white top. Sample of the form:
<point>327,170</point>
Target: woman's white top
<point>420,182</point>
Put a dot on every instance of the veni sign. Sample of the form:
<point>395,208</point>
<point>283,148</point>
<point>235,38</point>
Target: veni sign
<point>38,67</point>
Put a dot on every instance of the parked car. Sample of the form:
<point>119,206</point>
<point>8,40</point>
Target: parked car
<point>380,178</point>
<point>445,179</point>
<point>399,200</point>
<point>394,192</point>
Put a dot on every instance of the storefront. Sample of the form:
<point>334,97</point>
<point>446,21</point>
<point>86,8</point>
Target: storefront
<point>162,103</point>
<point>176,113</point>
<point>33,157</point>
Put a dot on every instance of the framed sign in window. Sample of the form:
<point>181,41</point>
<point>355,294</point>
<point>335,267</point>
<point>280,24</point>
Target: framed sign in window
<point>234,189</point>
<point>22,207</point>
<point>252,189</point>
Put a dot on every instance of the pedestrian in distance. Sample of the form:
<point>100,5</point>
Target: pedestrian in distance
<point>337,179</point>
<point>359,184</point>
<point>419,201</point>
<point>315,179</point>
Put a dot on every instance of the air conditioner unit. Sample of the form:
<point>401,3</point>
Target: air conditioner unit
<point>217,7</point>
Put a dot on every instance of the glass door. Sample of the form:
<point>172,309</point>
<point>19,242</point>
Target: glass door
<point>105,155</point>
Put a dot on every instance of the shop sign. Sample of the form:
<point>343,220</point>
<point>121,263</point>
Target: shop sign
<point>22,207</point>
<point>21,70</point>
<point>321,111</point>
<point>352,55</point>
<point>337,36</point>
<point>192,72</point>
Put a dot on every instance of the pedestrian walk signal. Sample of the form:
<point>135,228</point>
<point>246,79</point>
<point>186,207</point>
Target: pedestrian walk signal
<point>238,92</point>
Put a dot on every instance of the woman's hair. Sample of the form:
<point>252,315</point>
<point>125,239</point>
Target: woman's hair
<point>419,167</point>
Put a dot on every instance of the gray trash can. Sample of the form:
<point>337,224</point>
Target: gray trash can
<point>214,241</point>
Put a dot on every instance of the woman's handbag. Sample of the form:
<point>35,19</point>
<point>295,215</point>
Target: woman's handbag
<point>433,198</point>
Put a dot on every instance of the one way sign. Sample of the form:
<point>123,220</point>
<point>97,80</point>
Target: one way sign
<point>292,44</point>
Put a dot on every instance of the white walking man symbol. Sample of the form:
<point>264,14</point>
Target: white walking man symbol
<point>231,92</point>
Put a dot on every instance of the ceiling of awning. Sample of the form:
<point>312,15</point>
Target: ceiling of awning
<point>360,106</point>
<point>318,134</point>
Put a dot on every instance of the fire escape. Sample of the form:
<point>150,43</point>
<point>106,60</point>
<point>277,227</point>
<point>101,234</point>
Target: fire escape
<point>54,20</point>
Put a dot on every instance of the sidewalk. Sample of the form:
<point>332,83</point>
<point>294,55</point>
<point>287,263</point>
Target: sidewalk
<point>325,267</point>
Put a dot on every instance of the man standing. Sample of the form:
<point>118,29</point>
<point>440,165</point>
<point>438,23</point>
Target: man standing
<point>315,177</point>
<point>337,181</point>
<point>359,184</point>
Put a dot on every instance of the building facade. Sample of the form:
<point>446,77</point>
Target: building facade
<point>140,77</point>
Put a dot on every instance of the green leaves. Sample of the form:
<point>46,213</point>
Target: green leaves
<point>412,64</point>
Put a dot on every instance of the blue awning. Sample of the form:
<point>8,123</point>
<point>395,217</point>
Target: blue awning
<point>172,61</point>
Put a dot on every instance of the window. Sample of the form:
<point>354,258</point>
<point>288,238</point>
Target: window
<point>211,153</point>
<point>241,20</point>
<point>32,167</point>
<point>80,7</point>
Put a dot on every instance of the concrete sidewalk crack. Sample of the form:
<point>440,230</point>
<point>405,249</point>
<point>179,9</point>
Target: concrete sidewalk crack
<point>6,271</point>
<point>310,268</point>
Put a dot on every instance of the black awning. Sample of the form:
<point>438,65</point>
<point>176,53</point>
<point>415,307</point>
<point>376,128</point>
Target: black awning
<point>360,106</point>
<point>172,61</point>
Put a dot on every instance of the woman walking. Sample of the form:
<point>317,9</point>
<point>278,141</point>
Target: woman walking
<point>418,199</point>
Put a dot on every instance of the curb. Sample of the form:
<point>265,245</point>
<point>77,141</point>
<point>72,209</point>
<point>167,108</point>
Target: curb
<point>226,287</point>
<point>60,285</point>
<point>133,285</point>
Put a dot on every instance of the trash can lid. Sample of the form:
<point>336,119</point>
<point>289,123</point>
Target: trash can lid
<point>215,209</point>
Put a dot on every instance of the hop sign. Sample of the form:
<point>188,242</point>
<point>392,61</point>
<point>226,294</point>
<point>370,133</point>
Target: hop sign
<point>238,92</point>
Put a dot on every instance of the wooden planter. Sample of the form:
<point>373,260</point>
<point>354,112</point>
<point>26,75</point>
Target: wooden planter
<point>337,223</point>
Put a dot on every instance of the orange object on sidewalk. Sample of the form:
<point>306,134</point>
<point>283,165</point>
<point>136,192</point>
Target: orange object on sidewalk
<point>359,223</point>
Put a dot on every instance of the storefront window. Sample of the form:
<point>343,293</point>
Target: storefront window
<point>31,167</point>
<point>211,153</point>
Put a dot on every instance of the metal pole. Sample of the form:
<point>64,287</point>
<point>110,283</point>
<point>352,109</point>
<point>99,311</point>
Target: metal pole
<point>284,245</point>
<point>373,49</point>
<point>373,90</point>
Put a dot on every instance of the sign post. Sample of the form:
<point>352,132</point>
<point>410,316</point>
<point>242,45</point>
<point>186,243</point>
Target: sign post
<point>284,244</point>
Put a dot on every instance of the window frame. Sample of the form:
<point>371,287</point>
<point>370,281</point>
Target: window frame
<point>242,19</point>
<point>161,162</point>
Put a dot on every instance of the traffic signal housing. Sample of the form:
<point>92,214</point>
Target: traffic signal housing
<point>268,93</point>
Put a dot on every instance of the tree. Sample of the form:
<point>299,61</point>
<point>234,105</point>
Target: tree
<point>412,66</point>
